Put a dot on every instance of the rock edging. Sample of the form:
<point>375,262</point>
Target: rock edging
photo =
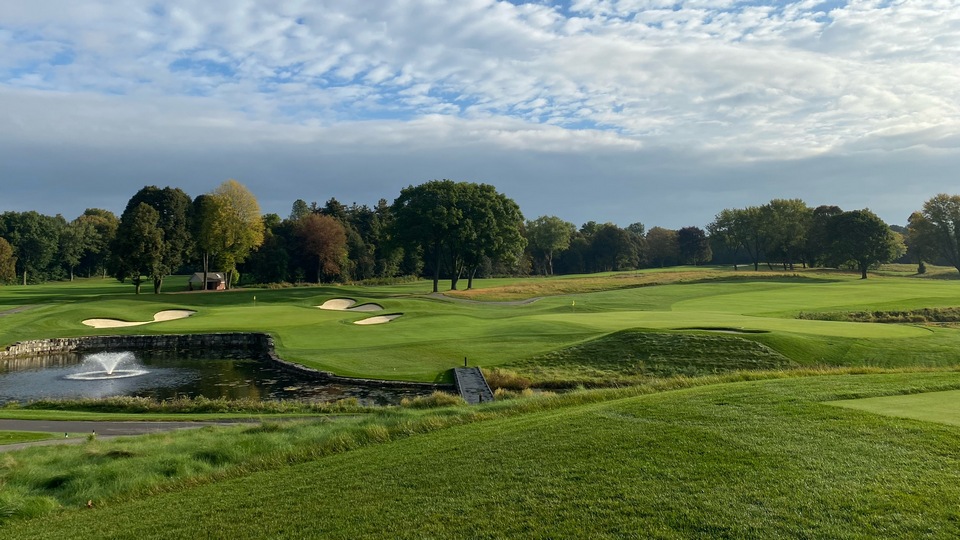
<point>259,344</point>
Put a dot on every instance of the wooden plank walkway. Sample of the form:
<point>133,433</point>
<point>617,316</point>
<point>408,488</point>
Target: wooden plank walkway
<point>472,386</point>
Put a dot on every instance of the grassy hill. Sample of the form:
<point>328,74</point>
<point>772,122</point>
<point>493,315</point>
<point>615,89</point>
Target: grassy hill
<point>748,459</point>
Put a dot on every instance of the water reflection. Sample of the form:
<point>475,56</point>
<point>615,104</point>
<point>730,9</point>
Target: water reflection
<point>172,374</point>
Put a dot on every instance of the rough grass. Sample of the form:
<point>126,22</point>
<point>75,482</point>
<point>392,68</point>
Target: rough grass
<point>739,460</point>
<point>13,437</point>
<point>535,287</point>
<point>631,356</point>
<point>194,405</point>
<point>924,315</point>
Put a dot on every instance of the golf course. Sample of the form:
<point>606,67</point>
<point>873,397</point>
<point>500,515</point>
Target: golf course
<point>686,402</point>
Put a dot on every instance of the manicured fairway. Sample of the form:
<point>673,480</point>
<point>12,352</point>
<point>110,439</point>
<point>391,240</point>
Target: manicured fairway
<point>761,459</point>
<point>435,334</point>
<point>942,407</point>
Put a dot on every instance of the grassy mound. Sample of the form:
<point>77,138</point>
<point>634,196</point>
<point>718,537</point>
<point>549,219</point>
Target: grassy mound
<point>630,356</point>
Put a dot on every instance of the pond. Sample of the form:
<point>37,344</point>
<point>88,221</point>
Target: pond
<point>166,375</point>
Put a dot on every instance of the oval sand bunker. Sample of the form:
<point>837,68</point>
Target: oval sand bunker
<point>160,316</point>
<point>346,304</point>
<point>380,319</point>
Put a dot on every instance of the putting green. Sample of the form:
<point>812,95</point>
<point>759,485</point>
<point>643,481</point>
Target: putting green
<point>940,407</point>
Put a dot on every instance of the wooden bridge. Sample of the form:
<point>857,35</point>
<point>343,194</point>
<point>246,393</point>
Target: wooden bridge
<point>472,385</point>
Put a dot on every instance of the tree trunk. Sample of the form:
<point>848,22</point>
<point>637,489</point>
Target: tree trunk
<point>470,278</point>
<point>436,267</point>
<point>157,284</point>
<point>756,266</point>
<point>71,273</point>
<point>24,276</point>
<point>863,271</point>
<point>206,267</point>
<point>550,263</point>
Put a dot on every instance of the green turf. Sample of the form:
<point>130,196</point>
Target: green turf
<point>434,335</point>
<point>630,356</point>
<point>742,460</point>
<point>13,437</point>
<point>943,407</point>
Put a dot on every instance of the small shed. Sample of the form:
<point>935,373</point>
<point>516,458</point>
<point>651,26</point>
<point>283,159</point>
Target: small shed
<point>216,281</point>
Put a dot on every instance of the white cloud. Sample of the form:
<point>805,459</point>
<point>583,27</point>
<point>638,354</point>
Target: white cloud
<point>739,82</point>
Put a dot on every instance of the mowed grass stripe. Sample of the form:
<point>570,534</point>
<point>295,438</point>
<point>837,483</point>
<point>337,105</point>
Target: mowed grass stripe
<point>754,459</point>
<point>941,407</point>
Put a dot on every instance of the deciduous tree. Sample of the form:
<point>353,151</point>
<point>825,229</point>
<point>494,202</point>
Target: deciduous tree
<point>8,270</point>
<point>324,238</point>
<point>238,226</point>
<point>864,238</point>
<point>140,241</point>
<point>693,246</point>
<point>547,237</point>
<point>942,212</point>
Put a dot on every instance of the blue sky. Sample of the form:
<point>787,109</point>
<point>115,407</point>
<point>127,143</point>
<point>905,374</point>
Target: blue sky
<point>657,111</point>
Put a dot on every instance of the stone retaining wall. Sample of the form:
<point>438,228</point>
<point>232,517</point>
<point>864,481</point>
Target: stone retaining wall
<point>257,345</point>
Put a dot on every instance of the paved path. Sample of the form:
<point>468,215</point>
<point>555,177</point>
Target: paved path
<point>472,385</point>
<point>103,429</point>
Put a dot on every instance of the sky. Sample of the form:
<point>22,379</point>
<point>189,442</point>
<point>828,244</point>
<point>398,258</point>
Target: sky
<point>654,111</point>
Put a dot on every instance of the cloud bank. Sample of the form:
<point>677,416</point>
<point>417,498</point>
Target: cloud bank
<point>623,110</point>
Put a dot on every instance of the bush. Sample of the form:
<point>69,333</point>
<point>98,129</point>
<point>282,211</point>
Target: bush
<point>499,378</point>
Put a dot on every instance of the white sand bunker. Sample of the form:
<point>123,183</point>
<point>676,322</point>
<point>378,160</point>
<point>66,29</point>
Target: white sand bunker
<point>379,319</point>
<point>160,316</point>
<point>346,304</point>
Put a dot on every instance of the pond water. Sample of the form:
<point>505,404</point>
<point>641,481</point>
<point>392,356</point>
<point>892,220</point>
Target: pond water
<point>166,375</point>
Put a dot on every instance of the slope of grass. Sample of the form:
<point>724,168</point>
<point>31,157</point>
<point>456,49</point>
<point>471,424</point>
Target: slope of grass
<point>631,356</point>
<point>749,459</point>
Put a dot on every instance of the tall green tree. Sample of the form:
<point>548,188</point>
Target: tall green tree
<point>75,240</point>
<point>426,218</point>
<point>8,262</point>
<point>942,213</point>
<point>693,246</point>
<point>818,241</point>
<point>140,240</point>
<point>205,211</point>
<point>662,246</point>
<point>324,238</point>
<point>864,238</point>
<point>548,236</point>
<point>921,240</point>
<point>238,225</point>
<point>785,224</point>
<point>743,227</point>
<point>173,207</point>
<point>35,239</point>
<point>613,248</point>
<point>492,229</point>
<point>101,230</point>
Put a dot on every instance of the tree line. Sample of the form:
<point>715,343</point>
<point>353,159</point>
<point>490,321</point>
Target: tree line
<point>441,230</point>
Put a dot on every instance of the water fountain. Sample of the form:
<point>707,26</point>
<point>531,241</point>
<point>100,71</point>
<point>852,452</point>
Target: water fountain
<point>107,362</point>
